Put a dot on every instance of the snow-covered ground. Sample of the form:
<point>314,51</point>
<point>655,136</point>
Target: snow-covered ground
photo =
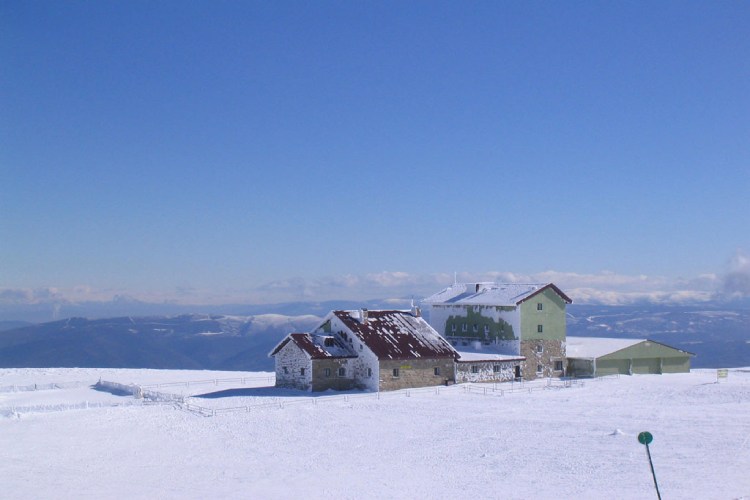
<point>448,442</point>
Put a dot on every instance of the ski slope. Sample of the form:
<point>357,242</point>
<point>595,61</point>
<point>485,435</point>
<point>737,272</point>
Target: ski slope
<point>447,442</point>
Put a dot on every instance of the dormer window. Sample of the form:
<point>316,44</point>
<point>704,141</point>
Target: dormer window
<point>328,342</point>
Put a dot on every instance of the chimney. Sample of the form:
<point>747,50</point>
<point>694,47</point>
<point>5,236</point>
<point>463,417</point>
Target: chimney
<point>363,315</point>
<point>415,310</point>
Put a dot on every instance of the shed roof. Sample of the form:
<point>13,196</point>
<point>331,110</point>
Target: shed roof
<point>396,334</point>
<point>315,346</point>
<point>491,294</point>
<point>597,347</point>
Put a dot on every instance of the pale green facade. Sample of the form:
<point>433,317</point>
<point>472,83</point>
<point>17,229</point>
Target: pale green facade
<point>544,311</point>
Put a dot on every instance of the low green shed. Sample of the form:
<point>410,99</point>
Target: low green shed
<point>596,357</point>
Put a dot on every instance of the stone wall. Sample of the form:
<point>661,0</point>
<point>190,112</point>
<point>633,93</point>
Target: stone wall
<point>550,352</point>
<point>323,382</point>
<point>293,368</point>
<point>416,373</point>
<point>485,371</point>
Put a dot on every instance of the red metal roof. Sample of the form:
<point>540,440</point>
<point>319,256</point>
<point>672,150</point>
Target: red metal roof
<point>397,335</point>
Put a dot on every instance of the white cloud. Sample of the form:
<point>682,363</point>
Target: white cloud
<point>605,287</point>
<point>736,282</point>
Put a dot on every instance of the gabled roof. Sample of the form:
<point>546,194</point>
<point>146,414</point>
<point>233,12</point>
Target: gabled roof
<point>396,334</point>
<point>315,346</point>
<point>491,294</point>
<point>596,347</point>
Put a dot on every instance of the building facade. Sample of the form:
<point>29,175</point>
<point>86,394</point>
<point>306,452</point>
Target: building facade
<point>525,320</point>
<point>370,350</point>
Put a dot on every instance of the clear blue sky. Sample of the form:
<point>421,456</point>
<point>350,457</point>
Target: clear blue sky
<point>220,146</point>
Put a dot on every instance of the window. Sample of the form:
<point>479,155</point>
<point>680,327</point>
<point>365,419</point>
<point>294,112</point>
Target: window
<point>360,347</point>
<point>475,328</point>
<point>302,372</point>
<point>286,370</point>
<point>474,369</point>
<point>486,328</point>
<point>539,328</point>
<point>342,372</point>
<point>539,368</point>
<point>540,348</point>
<point>369,372</point>
<point>328,342</point>
<point>395,373</point>
<point>464,327</point>
<point>539,306</point>
<point>495,368</point>
<point>437,370</point>
<point>453,328</point>
<point>327,372</point>
<point>558,366</point>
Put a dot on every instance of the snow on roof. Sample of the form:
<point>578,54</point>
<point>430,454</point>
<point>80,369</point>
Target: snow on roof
<point>317,346</point>
<point>596,347</point>
<point>490,294</point>
<point>484,356</point>
<point>396,334</point>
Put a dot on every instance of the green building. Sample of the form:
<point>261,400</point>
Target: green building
<point>596,357</point>
<point>517,319</point>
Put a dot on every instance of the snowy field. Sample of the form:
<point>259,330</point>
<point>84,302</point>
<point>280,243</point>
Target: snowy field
<point>576,442</point>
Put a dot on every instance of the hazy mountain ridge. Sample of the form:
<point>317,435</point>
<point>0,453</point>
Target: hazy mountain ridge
<point>196,341</point>
<point>719,336</point>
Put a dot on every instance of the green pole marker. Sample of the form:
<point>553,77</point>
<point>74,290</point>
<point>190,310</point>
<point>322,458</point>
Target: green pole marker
<point>645,438</point>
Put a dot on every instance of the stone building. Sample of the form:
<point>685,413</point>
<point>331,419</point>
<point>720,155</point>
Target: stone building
<point>524,320</point>
<point>487,367</point>
<point>361,349</point>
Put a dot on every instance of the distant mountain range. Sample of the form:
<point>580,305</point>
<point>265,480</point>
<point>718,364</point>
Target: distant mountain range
<point>191,341</point>
<point>719,336</point>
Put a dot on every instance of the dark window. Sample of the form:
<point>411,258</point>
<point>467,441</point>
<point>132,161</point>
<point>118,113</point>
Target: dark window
<point>474,369</point>
<point>395,373</point>
<point>539,328</point>
<point>475,327</point>
<point>286,370</point>
<point>539,368</point>
<point>369,372</point>
<point>558,366</point>
<point>327,372</point>
<point>539,306</point>
<point>328,342</point>
<point>342,372</point>
<point>495,368</point>
<point>453,327</point>
<point>464,327</point>
<point>540,348</point>
<point>302,371</point>
<point>437,370</point>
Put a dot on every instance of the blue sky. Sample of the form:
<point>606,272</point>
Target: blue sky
<point>245,151</point>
